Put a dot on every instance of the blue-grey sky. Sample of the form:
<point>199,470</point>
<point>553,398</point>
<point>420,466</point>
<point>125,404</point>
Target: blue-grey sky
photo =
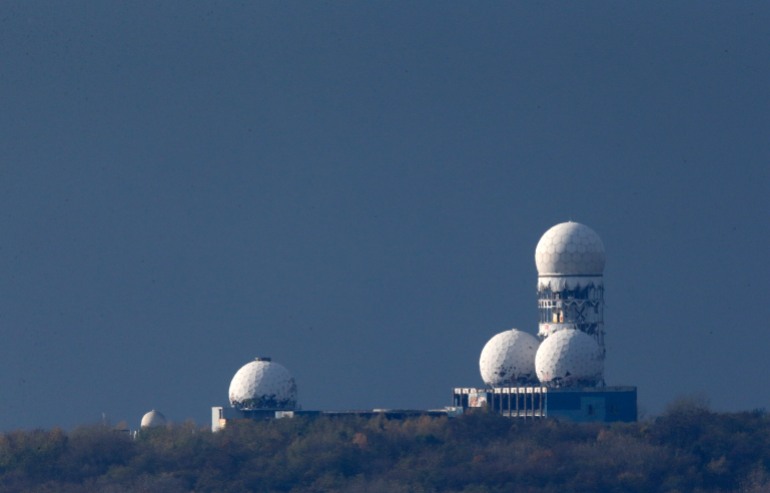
<point>357,188</point>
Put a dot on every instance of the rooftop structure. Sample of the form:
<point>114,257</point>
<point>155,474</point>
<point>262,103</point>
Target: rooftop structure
<point>570,286</point>
<point>569,358</point>
<point>509,358</point>
<point>263,385</point>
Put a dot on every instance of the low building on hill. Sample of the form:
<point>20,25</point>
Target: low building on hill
<point>578,404</point>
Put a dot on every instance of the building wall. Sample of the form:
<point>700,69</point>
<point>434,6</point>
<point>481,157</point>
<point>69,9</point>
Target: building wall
<point>607,405</point>
<point>598,404</point>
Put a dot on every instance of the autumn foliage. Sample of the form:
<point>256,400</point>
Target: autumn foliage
<point>688,448</point>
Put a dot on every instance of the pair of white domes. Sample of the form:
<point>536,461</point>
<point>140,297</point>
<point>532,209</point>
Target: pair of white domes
<point>566,358</point>
<point>263,384</point>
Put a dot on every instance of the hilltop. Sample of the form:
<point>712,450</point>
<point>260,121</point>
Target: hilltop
<point>688,448</point>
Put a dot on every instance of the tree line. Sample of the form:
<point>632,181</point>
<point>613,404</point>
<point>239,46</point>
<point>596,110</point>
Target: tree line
<point>687,449</point>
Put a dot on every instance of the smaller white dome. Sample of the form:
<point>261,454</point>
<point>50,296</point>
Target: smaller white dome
<point>263,384</point>
<point>570,249</point>
<point>569,358</point>
<point>508,358</point>
<point>152,419</point>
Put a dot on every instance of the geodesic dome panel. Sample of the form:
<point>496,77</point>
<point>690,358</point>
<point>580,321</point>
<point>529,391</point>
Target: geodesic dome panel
<point>508,359</point>
<point>570,249</point>
<point>263,384</point>
<point>569,358</point>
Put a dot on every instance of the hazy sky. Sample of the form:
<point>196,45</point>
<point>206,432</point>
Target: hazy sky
<point>357,188</point>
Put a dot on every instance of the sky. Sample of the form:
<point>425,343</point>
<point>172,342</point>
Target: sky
<point>356,190</point>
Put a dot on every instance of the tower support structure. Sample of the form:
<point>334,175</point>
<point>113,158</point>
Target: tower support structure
<point>571,302</point>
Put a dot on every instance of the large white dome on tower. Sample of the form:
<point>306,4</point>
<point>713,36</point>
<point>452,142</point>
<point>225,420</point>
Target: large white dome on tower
<point>569,358</point>
<point>570,249</point>
<point>263,384</point>
<point>508,358</point>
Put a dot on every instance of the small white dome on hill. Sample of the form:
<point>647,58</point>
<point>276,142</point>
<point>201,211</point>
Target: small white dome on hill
<point>152,419</point>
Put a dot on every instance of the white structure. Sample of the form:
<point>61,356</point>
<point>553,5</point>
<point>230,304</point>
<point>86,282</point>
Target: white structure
<point>153,419</point>
<point>263,385</point>
<point>570,249</point>
<point>509,359</point>
<point>569,362</point>
<point>569,358</point>
<point>570,289</point>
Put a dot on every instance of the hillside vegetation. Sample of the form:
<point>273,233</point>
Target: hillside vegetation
<point>687,449</point>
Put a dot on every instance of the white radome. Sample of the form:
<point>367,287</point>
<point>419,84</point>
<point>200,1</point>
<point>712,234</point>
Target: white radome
<point>152,419</point>
<point>263,384</point>
<point>509,358</point>
<point>570,249</point>
<point>569,358</point>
